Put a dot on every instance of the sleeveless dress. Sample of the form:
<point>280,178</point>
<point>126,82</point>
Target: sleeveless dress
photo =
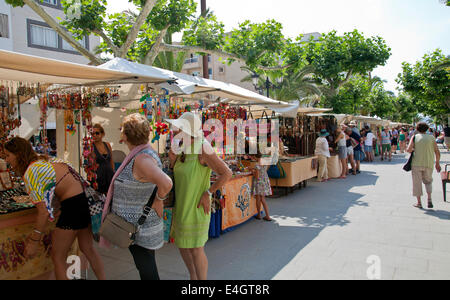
<point>130,197</point>
<point>190,224</point>
<point>105,173</point>
<point>261,185</point>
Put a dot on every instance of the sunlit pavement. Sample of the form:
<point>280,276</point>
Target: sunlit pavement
<point>361,227</point>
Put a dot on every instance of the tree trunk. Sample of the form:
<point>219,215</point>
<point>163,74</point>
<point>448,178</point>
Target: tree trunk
<point>108,41</point>
<point>132,35</point>
<point>63,33</point>
<point>153,53</point>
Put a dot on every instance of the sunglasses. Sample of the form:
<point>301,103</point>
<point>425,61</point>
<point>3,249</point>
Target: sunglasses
<point>96,133</point>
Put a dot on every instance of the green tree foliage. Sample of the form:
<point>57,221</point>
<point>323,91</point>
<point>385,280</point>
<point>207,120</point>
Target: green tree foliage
<point>336,58</point>
<point>428,84</point>
<point>260,44</point>
<point>145,37</point>
<point>352,97</point>
<point>206,32</point>
<point>404,109</point>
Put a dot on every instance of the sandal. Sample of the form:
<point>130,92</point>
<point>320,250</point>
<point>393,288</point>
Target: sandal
<point>418,205</point>
<point>430,204</point>
<point>258,218</point>
<point>267,219</point>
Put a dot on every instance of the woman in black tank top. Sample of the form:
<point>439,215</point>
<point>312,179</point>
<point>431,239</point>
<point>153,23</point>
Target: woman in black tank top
<point>103,154</point>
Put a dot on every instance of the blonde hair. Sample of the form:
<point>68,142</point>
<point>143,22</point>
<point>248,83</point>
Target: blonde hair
<point>137,129</point>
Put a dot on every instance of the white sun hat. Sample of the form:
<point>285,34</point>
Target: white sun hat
<point>189,123</point>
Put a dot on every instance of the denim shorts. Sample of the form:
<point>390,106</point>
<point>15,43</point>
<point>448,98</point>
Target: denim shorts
<point>357,154</point>
<point>342,152</point>
<point>368,148</point>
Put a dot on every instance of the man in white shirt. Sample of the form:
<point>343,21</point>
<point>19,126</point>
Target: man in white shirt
<point>368,144</point>
<point>323,153</point>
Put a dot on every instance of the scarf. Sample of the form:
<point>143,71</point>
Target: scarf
<point>107,206</point>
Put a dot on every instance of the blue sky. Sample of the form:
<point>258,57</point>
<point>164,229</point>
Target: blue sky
<point>411,28</point>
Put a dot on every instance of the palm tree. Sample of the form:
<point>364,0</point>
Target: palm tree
<point>298,85</point>
<point>170,60</point>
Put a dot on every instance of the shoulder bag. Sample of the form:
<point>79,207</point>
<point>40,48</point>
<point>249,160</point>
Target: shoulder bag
<point>96,201</point>
<point>120,232</point>
<point>407,166</point>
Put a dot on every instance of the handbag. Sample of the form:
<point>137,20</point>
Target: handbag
<point>273,172</point>
<point>282,172</point>
<point>170,201</point>
<point>120,232</point>
<point>95,200</point>
<point>407,167</point>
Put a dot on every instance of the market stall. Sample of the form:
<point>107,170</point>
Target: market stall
<point>298,136</point>
<point>72,89</point>
<point>210,99</point>
<point>297,169</point>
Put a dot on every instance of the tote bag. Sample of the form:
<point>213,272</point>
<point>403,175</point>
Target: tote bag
<point>407,166</point>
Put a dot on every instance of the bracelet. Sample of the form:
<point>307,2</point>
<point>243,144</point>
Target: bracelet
<point>162,199</point>
<point>34,240</point>
<point>37,231</point>
<point>209,193</point>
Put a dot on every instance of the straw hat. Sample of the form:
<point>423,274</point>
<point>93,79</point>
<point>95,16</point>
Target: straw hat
<point>189,123</point>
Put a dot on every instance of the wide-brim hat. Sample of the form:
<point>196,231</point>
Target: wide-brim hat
<point>189,123</point>
<point>323,132</point>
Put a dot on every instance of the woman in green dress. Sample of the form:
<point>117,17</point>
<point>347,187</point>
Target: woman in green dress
<point>192,171</point>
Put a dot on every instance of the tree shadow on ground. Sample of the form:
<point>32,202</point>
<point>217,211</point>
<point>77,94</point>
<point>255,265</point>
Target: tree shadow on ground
<point>260,250</point>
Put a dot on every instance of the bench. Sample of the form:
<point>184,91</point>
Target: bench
<point>445,176</point>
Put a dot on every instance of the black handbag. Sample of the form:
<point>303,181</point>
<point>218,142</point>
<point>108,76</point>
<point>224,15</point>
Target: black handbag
<point>407,166</point>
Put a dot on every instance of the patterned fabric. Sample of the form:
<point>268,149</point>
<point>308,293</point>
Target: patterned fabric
<point>261,185</point>
<point>129,199</point>
<point>40,183</point>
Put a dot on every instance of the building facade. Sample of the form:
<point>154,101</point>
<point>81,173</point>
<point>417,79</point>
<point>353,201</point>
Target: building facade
<point>217,70</point>
<point>23,31</point>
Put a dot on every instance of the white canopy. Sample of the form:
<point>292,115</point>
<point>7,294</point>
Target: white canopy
<point>27,68</point>
<point>189,86</point>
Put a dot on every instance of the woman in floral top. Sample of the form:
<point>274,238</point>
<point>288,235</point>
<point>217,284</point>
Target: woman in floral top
<point>261,188</point>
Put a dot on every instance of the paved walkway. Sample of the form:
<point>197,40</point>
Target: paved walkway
<point>342,229</point>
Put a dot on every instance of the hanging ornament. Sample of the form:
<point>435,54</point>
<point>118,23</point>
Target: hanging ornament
<point>69,122</point>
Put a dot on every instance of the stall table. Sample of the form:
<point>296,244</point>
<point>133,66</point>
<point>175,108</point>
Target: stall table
<point>238,207</point>
<point>240,204</point>
<point>14,230</point>
<point>298,170</point>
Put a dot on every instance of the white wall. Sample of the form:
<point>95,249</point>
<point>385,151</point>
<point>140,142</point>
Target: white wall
<point>6,43</point>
